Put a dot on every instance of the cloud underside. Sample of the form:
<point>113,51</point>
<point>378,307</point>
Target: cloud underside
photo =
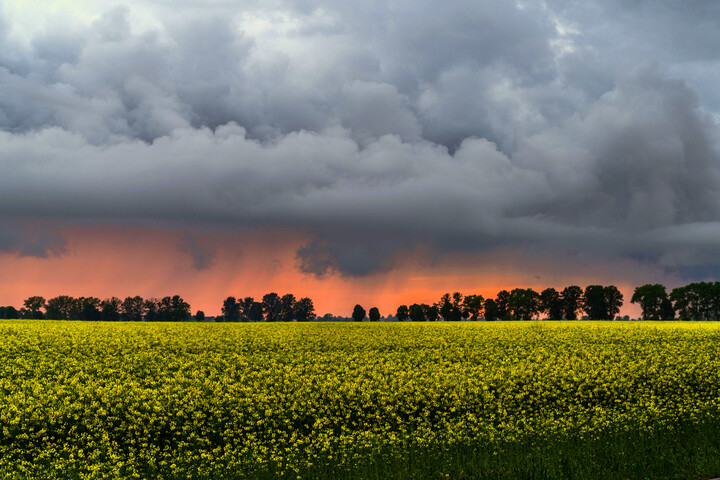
<point>368,131</point>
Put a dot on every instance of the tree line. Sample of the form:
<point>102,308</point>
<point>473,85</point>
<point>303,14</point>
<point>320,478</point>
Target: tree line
<point>272,308</point>
<point>695,301</point>
<point>168,309</point>
<point>597,301</point>
<point>64,307</point>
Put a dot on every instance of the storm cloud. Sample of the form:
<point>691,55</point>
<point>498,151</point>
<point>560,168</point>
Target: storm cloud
<point>371,128</point>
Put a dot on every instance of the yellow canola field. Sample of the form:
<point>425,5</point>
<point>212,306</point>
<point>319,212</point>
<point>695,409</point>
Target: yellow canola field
<point>333,400</point>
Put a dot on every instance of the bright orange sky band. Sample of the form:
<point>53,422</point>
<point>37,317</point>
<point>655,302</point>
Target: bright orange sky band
<point>106,262</point>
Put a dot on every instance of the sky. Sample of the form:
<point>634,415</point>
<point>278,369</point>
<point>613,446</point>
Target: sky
<point>377,152</point>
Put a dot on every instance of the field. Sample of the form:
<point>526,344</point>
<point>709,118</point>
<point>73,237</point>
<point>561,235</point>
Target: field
<point>463,400</point>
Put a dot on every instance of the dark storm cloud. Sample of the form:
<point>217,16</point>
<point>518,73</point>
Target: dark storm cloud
<point>372,127</point>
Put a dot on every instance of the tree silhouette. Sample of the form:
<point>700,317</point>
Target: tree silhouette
<point>271,306</point>
<point>652,299</point>
<point>491,310</point>
<point>33,307</point>
<point>572,301</point>
<point>358,313</point>
<point>403,313</point>
<point>110,309</point>
<point>417,313</point>
<point>551,303</point>
<point>304,310</point>
<point>374,314</point>
<point>230,310</point>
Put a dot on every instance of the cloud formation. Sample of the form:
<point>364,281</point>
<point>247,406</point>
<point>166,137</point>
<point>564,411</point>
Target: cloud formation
<point>372,128</point>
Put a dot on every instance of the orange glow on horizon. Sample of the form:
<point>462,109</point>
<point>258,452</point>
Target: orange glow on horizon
<point>105,262</point>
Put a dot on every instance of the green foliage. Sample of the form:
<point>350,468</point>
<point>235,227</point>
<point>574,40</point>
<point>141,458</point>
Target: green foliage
<point>339,401</point>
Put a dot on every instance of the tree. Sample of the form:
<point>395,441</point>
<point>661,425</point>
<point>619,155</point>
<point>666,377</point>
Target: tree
<point>151,306</point>
<point>87,308</point>
<point>255,314</point>
<point>230,310</point>
<point>593,302</point>
<point>417,313</point>
<point>402,313</point>
<point>110,309</point>
<point>246,305</point>
<point>133,308</point>
<point>9,313</point>
<point>173,309</point>
<point>200,316</point>
<point>60,308</point>
<point>431,312</point>
<point>374,314</point>
<point>33,305</point>
<point>502,301</point>
<point>449,306</point>
<point>472,306</point>
<point>287,307</point>
<point>667,312</point>
<point>358,313</point>
<point>613,301</point>
<point>491,311</point>
<point>551,303</point>
<point>572,301</point>
<point>271,306</point>
<point>652,299</point>
<point>304,310</point>
<point>523,303</point>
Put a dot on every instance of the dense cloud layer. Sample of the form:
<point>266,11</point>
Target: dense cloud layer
<point>371,127</point>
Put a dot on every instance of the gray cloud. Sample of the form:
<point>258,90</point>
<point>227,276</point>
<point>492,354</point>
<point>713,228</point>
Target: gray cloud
<point>373,128</point>
<point>203,257</point>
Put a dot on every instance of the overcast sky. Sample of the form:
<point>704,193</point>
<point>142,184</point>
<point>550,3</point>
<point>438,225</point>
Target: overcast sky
<point>581,129</point>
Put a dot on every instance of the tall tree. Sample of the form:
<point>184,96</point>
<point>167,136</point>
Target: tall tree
<point>491,310</point>
<point>256,314</point>
<point>110,309</point>
<point>88,308</point>
<point>60,308</point>
<point>402,313</point>
<point>287,307</point>
<point>271,306</point>
<point>551,303</point>
<point>133,308</point>
<point>524,303</point>
<point>374,314</point>
<point>358,313</point>
<point>652,300</point>
<point>449,306</point>
<point>572,301</point>
<point>304,310</point>
<point>593,302</point>
<point>200,316</point>
<point>150,307</point>
<point>230,310</point>
<point>33,307</point>
<point>417,313</point>
<point>173,309</point>
<point>472,306</point>
<point>431,312</point>
<point>246,305</point>
<point>502,301</point>
<point>613,301</point>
